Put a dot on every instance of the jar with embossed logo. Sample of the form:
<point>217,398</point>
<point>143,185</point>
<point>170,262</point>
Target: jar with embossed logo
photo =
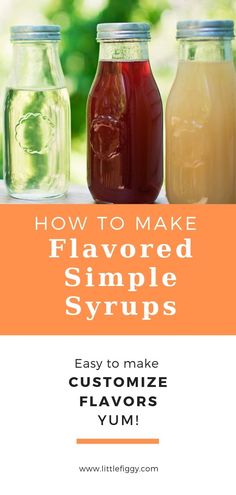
<point>36,117</point>
<point>201,116</point>
<point>124,119</point>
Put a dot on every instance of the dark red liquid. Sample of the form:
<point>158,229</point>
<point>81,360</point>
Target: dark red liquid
<point>125,134</point>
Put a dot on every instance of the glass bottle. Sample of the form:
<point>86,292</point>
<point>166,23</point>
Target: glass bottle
<point>36,117</point>
<point>124,119</point>
<point>200,116</point>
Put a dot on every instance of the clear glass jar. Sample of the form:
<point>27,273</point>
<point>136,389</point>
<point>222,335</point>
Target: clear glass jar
<point>124,119</point>
<point>36,117</point>
<point>201,116</point>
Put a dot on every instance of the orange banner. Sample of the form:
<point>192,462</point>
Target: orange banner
<point>137,269</point>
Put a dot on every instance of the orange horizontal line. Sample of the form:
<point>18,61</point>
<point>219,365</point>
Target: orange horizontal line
<point>147,441</point>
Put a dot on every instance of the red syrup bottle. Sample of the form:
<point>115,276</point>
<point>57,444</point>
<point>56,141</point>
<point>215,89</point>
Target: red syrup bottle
<point>124,119</point>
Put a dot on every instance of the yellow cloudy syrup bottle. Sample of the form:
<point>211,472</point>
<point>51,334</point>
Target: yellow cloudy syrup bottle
<point>36,117</point>
<point>200,116</point>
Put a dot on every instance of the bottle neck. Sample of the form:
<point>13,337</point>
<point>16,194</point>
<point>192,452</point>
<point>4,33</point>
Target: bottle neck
<point>124,51</point>
<point>36,65</point>
<point>208,50</point>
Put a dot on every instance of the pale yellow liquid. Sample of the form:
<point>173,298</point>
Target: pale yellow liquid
<point>201,134</point>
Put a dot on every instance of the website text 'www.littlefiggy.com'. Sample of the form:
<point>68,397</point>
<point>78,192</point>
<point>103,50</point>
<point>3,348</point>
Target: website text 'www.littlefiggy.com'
<point>118,469</point>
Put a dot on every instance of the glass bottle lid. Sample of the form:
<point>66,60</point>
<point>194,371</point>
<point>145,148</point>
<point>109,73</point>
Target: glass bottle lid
<point>205,29</point>
<point>123,31</point>
<point>31,33</point>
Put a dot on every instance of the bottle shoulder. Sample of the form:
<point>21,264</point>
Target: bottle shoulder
<point>194,77</point>
<point>117,76</point>
<point>36,65</point>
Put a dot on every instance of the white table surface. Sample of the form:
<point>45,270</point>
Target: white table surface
<point>76,195</point>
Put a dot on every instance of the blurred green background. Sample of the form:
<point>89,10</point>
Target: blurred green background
<point>79,50</point>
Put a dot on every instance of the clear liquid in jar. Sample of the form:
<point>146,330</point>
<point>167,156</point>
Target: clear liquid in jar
<point>37,142</point>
